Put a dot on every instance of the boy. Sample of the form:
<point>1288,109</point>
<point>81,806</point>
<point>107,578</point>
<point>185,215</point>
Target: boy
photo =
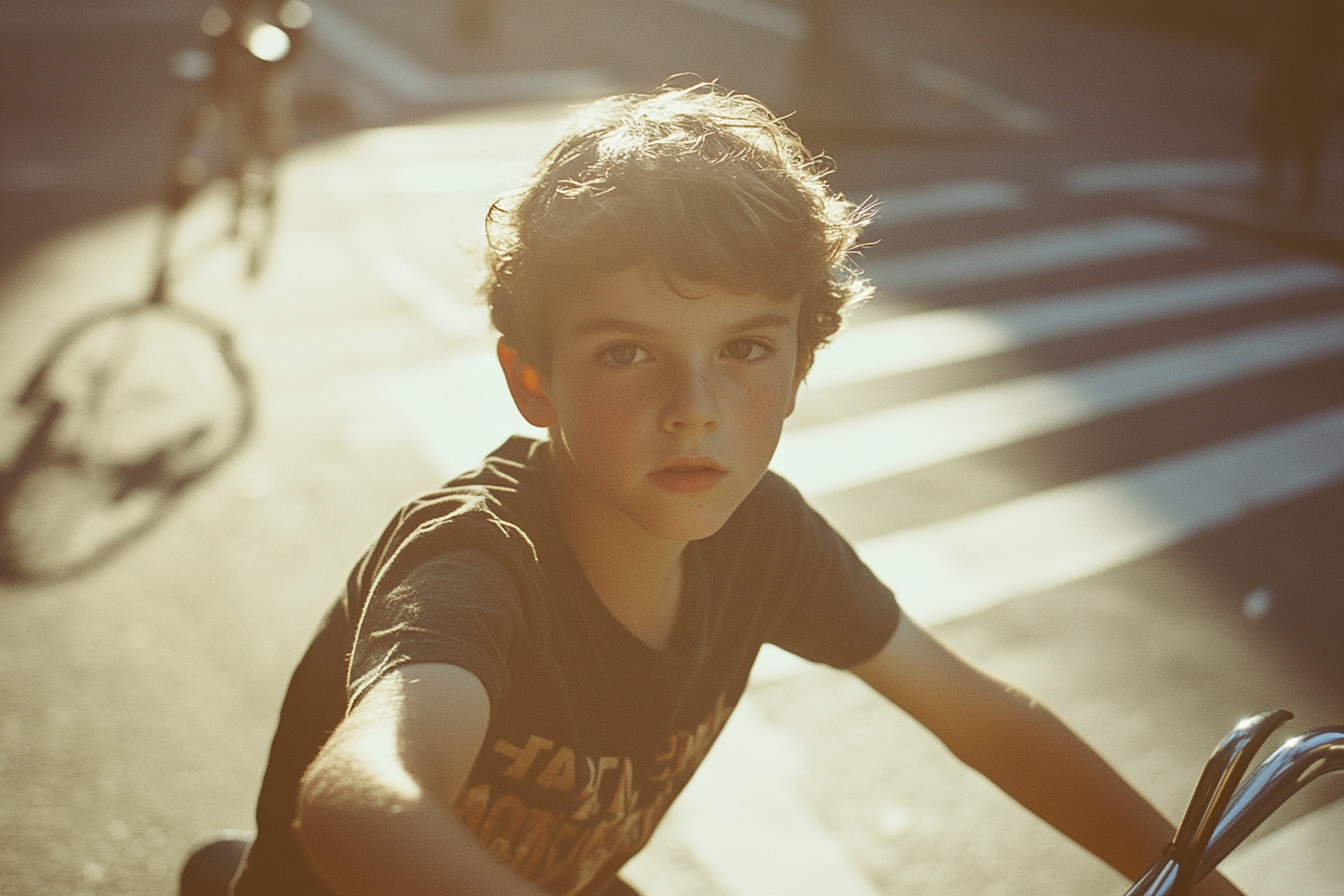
<point>529,664</point>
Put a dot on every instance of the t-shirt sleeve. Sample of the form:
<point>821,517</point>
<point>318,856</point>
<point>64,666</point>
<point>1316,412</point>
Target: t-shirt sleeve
<point>462,608</point>
<point>836,611</point>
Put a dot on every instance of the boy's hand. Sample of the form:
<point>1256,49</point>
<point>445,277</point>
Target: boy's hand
<point>375,807</point>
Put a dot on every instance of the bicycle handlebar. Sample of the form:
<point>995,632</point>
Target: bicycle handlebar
<point>1221,776</point>
<point>1293,766</point>
<point>1218,820</point>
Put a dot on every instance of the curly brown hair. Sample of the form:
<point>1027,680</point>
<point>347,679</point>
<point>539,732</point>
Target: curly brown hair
<point>705,185</point>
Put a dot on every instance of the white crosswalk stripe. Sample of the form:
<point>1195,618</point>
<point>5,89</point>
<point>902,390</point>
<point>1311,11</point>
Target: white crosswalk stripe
<point>771,18</point>
<point>972,562</point>
<point>945,200</point>
<point>919,341</point>
<point>1034,253</point>
<point>402,77</point>
<point>1161,174</point>
<point>852,452</point>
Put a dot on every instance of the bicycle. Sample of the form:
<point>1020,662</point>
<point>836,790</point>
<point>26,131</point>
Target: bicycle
<point>133,403</point>
<point>243,124</point>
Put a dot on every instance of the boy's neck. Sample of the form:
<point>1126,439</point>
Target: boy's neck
<point>636,575</point>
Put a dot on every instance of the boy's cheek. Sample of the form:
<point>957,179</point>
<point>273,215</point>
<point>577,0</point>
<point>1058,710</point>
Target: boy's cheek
<point>764,401</point>
<point>598,424</point>
<point>607,398</point>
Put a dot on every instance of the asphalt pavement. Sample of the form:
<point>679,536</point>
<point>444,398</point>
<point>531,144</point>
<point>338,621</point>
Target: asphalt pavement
<point>137,701</point>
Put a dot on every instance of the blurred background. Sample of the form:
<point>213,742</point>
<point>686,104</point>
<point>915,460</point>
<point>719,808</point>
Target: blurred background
<point>1104,375</point>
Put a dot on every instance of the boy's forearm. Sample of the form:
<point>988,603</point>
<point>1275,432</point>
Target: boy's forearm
<point>1038,761</point>
<point>365,832</point>
<point>1047,768</point>
<point>1025,749</point>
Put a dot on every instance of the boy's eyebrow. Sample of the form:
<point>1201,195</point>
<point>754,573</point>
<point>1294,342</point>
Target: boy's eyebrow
<point>611,325</point>
<point>767,321</point>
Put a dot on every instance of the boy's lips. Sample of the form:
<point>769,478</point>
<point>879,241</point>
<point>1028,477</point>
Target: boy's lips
<point>689,475</point>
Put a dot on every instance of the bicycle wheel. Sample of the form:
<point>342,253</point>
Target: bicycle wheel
<point>134,404</point>
<point>265,114</point>
<point>230,140</point>
<point>199,155</point>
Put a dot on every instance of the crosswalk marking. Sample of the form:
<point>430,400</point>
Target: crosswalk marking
<point>947,199</point>
<point>918,341</point>
<point>964,565</point>
<point>864,448</point>
<point>1160,174</point>
<point>1033,253</point>
<point>958,87</point>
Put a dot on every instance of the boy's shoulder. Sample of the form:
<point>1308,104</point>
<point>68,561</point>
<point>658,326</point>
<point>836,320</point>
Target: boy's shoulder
<point>500,507</point>
<point>507,486</point>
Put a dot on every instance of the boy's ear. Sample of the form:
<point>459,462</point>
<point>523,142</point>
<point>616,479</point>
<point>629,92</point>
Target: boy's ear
<point>525,387</point>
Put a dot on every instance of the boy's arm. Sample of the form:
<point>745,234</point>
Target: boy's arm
<point>1025,749</point>
<point>375,807</point>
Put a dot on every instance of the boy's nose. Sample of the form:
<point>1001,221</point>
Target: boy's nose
<point>692,399</point>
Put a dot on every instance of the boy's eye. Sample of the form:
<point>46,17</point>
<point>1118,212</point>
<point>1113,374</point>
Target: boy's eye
<point>624,354</point>
<point>745,350</point>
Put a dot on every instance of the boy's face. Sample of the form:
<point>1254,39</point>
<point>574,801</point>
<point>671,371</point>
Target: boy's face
<point>668,409</point>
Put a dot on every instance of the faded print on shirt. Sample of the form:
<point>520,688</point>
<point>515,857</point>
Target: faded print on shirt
<point>613,804</point>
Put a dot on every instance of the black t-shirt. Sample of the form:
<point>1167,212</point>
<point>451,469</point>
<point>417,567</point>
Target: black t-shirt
<point>592,732</point>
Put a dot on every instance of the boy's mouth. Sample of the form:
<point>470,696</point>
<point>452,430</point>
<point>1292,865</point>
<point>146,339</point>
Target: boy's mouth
<point>686,475</point>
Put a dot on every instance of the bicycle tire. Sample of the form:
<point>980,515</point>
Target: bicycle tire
<point>267,121</point>
<point>134,404</point>
<point>199,155</point>
<point>254,214</point>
